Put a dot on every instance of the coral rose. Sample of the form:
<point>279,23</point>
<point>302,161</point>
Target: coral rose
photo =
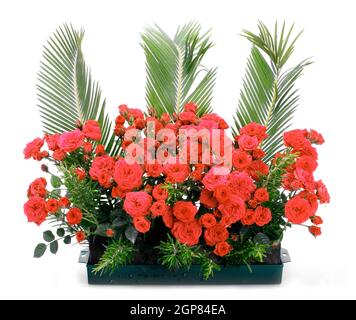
<point>159,193</point>
<point>322,192</point>
<point>187,233</point>
<point>74,216</point>
<point>128,176</point>
<point>137,203</point>
<point>71,141</point>
<point>215,177</point>
<point>215,234</point>
<point>297,210</point>
<point>141,224</point>
<point>159,208</point>
<point>241,160</point>
<point>207,199</point>
<point>184,211</point>
<point>249,218</point>
<point>261,195</point>
<point>247,143</point>
<point>92,130</point>
<point>52,205</point>
<point>38,188</point>
<point>35,210</point>
<point>222,248</point>
<point>33,149</point>
<point>208,220</point>
<point>263,216</point>
<point>315,231</point>
<point>80,236</point>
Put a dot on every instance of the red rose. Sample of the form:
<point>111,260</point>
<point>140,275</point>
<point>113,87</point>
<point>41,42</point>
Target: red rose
<point>296,139</point>
<point>120,120</point>
<point>258,154</point>
<point>222,248</point>
<point>52,141</point>
<point>128,176</point>
<point>80,236</point>
<point>191,107</point>
<point>315,231</point>
<point>168,219</point>
<point>261,195</point>
<point>297,210</point>
<point>312,199</point>
<point>165,118</point>
<point>137,203</point>
<point>249,218</point>
<point>254,129</point>
<point>257,169</point>
<point>154,170</point>
<point>80,172</point>
<point>187,233</point>
<point>109,232</point>
<point>322,192</point>
<point>207,220</point>
<point>74,216</point>
<point>159,208</point>
<point>100,150</point>
<point>71,141</point>
<point>306,163</point>
<point>215,234</point>
<point>33,149</point>
<point>176,173</point>
<point>241,184</point>
<point>184,211</point>
<point>102,164</point>
<point>222,194</point>
<point>188,117</point>
<point>135,113</point>
<point>232,211</point>
<point>160,193</point>
<point>315,137</point>
<point>263,216</point>
<point>247,143</point>
<point>241,160</point>
<point>316,220</point>
<point>64,202</point>
<point>215,177</point>
<point>141,224</point>
<point>123,109</point>
<point>92,130</point>
<point>35,210</point>
<point>116,192</point>
<point>52,205</point>
<point>59,155</point>
<point>38,188</point>
<point>87,147</point>
<point>139,123</point>
<point>207,199</point>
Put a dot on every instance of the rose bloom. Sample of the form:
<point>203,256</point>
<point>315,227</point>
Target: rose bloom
<point>64,202</point>
<point>255,130</point>
<point>247,143</point>
<point>187,117</point>
<point>315,231</point>
<point>232,211</point>
<point>154,170</point>
<point>71,141</point>
<point>258,168</point>
<point>312,199</point>
<point>187,233</point>
<point>59,155</point>
<point>184,211</point>
<point>322,192</point>
<point>263,216</point>
<point>249,218</point>
<point>207,220</point>
<point>80,236</point>
<point>306,163</point>
<point>128,176</point>
<point>160,193</point>
<point>241,184</point>
<point>33,149</point>
<point>222,248</point>
<point>87,147</point>
<point>316,220</point>
<point>38,188</point>
<point>52,205</point>
<point>100,150</point>
<point>168,219</point>
<point>109,232</point>
<point>241,160</point>
<point>207,199</point>
<point>102,164</point>
<point>80,172</point>
<point>297,210</point>
<point>215,234</point>
<point>222,194</point>
<point>261,195</point>
<point>176,173</point>
<point>296,139</point>
<point>74,216</point>
<point>137,203</point>
<point>315,137</point>
<point>91,130</point>
<point>141,224</point>
<point>159,208</point>
<point>35,210</point>
<point>52,141</point>
<point>215,177</point>
<point>258,154</point>
<point>190,107</point>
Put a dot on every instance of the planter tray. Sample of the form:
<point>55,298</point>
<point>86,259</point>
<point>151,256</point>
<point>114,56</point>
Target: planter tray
<point>156,274</point>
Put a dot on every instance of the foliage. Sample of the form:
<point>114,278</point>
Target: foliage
<point>173,67</point>
<point>175,255</point>
<point>118,253</point>
<point>66,91</point>
<point>269,96</point>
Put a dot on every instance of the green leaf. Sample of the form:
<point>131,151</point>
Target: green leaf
<point>60,232</point>
<point>67,239</point>
<point>66,91</point>
<point>261,238</point>
<point>174,74</point>
<point>268,95</point>
<point>40,250</point>
<point>53,247</point>
<point>56,182</point>
<point>48,236</point>
<point>131,233</point>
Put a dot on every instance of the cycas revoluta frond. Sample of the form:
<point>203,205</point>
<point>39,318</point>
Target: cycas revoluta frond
<point>173,66</point>
<point>269,96</point>
<point>66,91</point>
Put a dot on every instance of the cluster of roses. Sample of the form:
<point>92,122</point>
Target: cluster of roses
<point>299,179</point>
<point>227,195</point>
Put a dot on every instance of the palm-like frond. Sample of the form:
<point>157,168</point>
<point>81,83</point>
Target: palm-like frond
<point>173,67</point>
<point>269,96</point>
<point>66,91</point>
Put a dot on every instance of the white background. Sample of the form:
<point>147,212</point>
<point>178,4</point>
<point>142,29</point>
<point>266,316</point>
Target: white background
<point>322,268</point>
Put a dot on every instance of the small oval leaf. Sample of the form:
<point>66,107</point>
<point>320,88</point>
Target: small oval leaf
<point>60,232</point>
<point>67,239</point>
<point>53,247</point>
<point>131,233</point>
<point>56,182</point>
<point>40,250</point>
<point>48,236</point>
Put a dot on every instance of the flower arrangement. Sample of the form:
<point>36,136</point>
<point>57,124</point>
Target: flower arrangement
<point>172,185</point>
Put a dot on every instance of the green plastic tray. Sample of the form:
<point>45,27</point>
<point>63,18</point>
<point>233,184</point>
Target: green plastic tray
<point>156,274</point>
